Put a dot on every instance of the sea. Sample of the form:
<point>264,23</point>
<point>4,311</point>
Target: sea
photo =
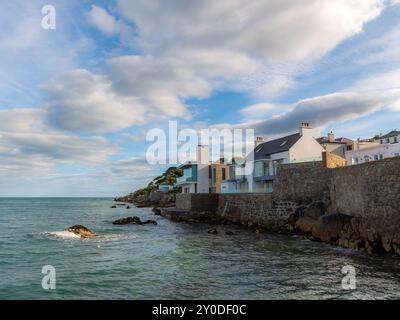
<point>171,260</point>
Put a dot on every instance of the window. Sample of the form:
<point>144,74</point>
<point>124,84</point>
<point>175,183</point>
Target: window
<point>387,140</point>
<point>209,172</point>
<point>366,158</point>
<point>395,140</point>
<point>376,157</point>
<point>356,160</point>
<point>223,174</point>
<point>381,141</point>
<point>381,156</point>
<point>214,175</point>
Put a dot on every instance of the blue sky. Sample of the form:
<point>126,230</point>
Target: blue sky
<point>76,102</point>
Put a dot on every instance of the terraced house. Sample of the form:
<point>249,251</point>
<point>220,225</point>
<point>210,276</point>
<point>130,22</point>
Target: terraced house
<point>267,156</point>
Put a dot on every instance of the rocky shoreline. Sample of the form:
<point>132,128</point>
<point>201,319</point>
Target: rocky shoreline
<point>153,199</point>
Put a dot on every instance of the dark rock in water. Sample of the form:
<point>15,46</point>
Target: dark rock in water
<point>258,230</point>
<point>82,231</point>
<point>229,233</point>
<point>128,220</point>
<point>212,231</point>
<point>133,220</point>
<point>128,207</point>
<point>156,210</point>
<point>149,221</point>
<point>113,207</point>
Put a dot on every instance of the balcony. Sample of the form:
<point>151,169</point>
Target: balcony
<point>184,179</point>
<point>264,178</point>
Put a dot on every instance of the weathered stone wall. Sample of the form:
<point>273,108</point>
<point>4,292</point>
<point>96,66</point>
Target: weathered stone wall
<point>331,160</point>
<point>254,209</point>
<point>355,206</point>
<point>197,202</point>
<point>302,182</point>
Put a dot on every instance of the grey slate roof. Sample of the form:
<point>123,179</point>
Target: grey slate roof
<point>393,133</point>
<point>275,146</point>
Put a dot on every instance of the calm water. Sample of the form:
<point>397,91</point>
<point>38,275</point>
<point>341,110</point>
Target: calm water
<point>170,261</point>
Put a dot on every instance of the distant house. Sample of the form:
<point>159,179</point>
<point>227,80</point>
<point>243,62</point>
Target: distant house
<point>298,147</point>
<point>202,176</point>
<point>337,146</point>
<point>164,187</point>
<point>381,147</point>
<point>391,137</point>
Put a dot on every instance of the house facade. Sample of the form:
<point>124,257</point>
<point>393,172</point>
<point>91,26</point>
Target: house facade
<point>202,176</point>
<point>298,147</point>
<point>384,146</point>
<point>337,146</point>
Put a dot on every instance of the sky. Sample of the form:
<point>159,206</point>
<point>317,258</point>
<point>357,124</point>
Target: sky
<point>77,101</point>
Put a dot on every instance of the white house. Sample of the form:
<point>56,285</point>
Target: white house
<point>385,146</point>
<point>298,147</point>
<point>195,177</point>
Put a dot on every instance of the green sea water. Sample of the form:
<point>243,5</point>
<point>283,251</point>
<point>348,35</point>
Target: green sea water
<point>170,260</point>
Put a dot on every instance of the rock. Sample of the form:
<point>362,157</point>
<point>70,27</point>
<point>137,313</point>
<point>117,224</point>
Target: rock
<point>149,221</point>
<point>82,231</point>
<point>128,220</point>
<point>128,207</point>
<point>305,224</point>
<point>133,220</point>
<point>212,231</point>
<point>156,210</point>
<point>258,230</point>
<point>113,207</point>
<point>229,233</point>
<point>330,227</point>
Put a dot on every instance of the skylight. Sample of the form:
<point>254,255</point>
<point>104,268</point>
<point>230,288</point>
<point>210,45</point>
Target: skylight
<point>283,143</point>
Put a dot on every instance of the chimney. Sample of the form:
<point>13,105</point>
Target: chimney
<point>331,137</point>
<point>259,140</point>
<point>305,129</point>
<point>202,155</point>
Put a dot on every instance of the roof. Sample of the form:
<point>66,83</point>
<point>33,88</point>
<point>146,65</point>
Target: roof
<point>393,133</point>
<point>275,146</point>
<point>341,140</point>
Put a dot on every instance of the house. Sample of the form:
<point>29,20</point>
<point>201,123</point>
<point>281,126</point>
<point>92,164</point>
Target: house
<point>267,156</point>
<point>391,137</point>
<point>381,147</point>
<point>337,146</point>
<point>202,176</point>
<point>164,187</point>
<point>237,182</point>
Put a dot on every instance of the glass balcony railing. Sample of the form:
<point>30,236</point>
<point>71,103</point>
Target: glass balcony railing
<point>184,179</point>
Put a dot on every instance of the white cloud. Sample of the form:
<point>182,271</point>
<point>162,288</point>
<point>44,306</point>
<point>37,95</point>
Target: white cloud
<point>324,110</point>
<point>101,19</point>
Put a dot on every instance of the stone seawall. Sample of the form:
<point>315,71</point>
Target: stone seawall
<point>355,206</point>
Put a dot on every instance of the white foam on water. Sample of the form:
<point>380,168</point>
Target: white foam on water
<point>64,234</point>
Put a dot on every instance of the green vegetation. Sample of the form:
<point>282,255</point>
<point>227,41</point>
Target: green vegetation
<point>168,177</point>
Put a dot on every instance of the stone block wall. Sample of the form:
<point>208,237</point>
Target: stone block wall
<point>302,182</point>
<point>331,160</point>
<point>197,202</point>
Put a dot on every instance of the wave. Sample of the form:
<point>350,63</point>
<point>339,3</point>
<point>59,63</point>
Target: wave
<point>64,234</point>
<point>67,235</point>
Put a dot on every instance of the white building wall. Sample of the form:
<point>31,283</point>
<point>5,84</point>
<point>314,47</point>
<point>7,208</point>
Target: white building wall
<point>380,151</point>
<point>306,149</point>
<point>203,180</point>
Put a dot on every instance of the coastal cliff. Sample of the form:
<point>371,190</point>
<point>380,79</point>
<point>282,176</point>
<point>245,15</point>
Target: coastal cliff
<point>357,207</point>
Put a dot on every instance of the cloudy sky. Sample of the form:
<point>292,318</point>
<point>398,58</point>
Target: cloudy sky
<point>76,102</point>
